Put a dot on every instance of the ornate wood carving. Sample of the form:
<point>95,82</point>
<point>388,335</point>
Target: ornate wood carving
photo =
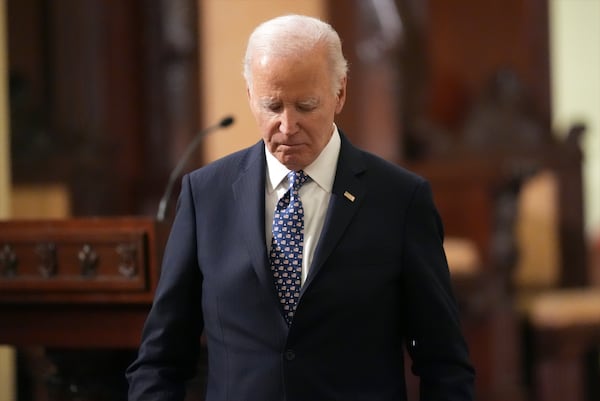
<point>88,260</point>
<point>127,266</point>
<point>86,308</point>
<point>47,264</point>
<point>8,261</point>
<point>77,260</point>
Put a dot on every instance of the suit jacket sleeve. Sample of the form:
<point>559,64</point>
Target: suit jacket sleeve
<point>171,337</point>
<point>435,342</point>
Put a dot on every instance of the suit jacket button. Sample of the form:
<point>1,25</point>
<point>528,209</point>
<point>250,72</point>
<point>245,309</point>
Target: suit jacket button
<point>290,355</point>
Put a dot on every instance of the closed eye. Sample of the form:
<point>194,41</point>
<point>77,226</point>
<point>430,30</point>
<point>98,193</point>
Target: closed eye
<point>307,106</point>
<point>274,107</point>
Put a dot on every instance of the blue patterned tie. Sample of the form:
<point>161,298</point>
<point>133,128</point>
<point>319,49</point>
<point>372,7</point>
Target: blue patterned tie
<point>287,244</point>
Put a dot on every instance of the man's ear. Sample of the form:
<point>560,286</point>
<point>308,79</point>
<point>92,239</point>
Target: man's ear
<point>341,96</point>
<point>249,95</point>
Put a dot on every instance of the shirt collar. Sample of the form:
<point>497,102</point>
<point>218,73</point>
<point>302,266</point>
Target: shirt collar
<point>321,170</point>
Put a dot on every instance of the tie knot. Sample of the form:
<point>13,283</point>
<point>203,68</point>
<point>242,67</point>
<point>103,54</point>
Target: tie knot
<point>296,179</point>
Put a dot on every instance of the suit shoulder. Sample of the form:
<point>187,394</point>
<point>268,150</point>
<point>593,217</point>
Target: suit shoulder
<point>391,171</point>
<point>227,166</point>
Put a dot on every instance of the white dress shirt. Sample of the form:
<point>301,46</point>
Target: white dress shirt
<point>314,194</point>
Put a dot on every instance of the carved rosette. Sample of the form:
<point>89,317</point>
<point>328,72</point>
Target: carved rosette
<point>127,266</point>
<point>88,261</point>
<point>8,261</point>
<point>48,265</point>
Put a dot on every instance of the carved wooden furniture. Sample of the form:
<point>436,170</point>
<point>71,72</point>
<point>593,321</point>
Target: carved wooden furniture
<point>476,196</point>
<point>565,326</point>
<point>476,202</point>
<point>81,289</point>
<point>560,310</point>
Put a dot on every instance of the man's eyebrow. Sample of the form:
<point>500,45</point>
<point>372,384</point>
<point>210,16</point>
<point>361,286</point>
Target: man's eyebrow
<point>268,102</point>
<point>312,101</point>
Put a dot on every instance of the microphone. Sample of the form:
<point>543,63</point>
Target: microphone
<point>162,206</point>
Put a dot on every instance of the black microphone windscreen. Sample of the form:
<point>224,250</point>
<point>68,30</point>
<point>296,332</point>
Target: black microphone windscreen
<point>226,122</point>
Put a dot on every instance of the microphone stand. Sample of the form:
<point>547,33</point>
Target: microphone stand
<point>162,206</point>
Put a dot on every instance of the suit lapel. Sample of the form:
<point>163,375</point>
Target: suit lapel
<point>249,193</point>
<point>346,196</point>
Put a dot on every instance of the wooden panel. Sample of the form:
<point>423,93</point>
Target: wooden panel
<point>466,192</point>
<point>88,324</point>
<point>73,261</point>
<point>447,56</point>
<point>469,40</point>
<point>104,95</point>
<point>81,260</point>
<point>73,326</point>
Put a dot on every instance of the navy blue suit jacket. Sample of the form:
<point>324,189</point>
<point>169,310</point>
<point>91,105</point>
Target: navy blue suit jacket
<point>379,279</point>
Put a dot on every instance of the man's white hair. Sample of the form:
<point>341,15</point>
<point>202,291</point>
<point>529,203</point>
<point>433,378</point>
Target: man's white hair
<point>291,35</point>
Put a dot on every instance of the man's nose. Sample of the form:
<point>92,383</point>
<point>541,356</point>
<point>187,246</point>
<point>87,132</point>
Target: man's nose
<point>289,121</point>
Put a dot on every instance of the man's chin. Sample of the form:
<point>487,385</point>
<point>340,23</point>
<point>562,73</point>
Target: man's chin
<point>292,162</point>
<point>290,157</point>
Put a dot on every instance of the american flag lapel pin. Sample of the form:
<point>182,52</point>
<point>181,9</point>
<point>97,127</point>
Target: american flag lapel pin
<point>349,196</point>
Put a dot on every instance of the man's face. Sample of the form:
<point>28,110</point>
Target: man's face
<point>294,105</point>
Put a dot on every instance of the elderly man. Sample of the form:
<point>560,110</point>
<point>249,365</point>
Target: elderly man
<point>309,264</point>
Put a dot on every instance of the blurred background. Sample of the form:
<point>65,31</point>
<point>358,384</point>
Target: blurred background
<point>496,103</point>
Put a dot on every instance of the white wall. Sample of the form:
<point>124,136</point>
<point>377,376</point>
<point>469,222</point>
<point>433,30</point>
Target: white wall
<point>575,61</point>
